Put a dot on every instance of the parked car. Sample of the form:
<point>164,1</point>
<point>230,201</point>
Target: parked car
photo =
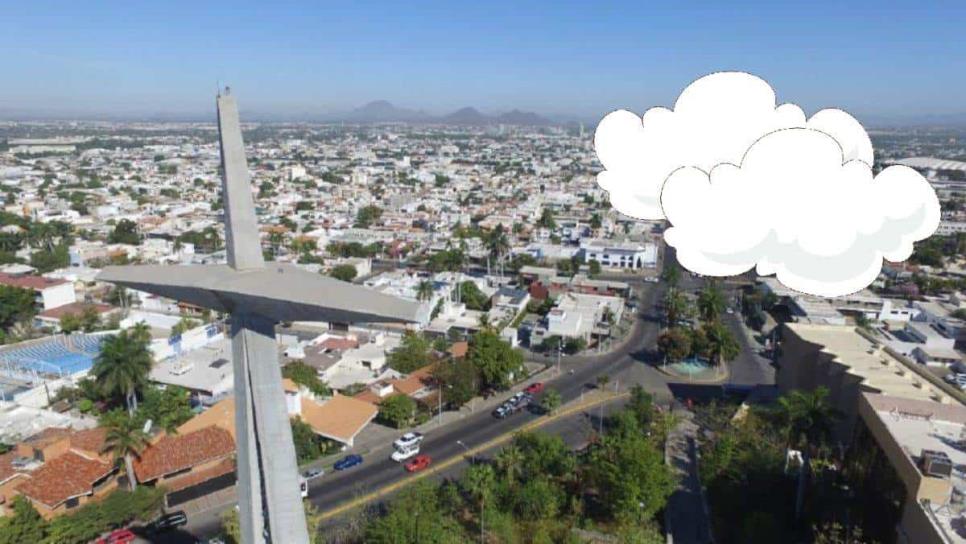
<point>313,473</point>
<point>168,522</point>
<point>401,455</point>
<point>534,388</point>
<point>419,463</point>
<point>956,379</point>
<point>500,412</point>
<point>408,440</point>
<point>118,536</point>
<point>348,461</point>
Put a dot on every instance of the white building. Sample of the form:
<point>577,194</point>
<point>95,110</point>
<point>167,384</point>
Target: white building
<point>619,255</point>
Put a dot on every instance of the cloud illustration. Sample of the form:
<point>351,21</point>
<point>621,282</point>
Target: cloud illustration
<point>801,205</point>
<point>714,120</point>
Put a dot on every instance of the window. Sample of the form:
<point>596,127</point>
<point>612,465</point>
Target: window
<point>72,503</point>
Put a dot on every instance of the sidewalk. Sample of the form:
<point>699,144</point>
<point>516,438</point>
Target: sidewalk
<point>687,518</point>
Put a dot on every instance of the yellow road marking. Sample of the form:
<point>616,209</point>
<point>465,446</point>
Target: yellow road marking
<point>443,465</point>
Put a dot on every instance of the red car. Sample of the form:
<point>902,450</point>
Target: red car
<point>120,536</point>
<point>534,388</point>
<point>418,463</point>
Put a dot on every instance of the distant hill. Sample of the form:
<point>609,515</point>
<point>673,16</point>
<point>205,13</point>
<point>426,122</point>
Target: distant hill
<point>466,116</point>
<point>517,117</point>
<point>381,111</point>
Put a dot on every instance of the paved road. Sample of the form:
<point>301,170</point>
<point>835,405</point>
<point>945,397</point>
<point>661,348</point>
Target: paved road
<point>631,363</point>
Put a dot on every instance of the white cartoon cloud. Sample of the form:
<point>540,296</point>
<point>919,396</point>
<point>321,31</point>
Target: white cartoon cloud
<point>801,206</point>
<point>714,120</point>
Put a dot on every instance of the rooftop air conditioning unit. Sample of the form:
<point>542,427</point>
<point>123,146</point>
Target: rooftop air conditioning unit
<point>936,464</point>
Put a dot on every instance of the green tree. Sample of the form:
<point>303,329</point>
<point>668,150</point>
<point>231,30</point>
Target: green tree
<point>671,274</point>
<point>16,305</point>
<point>368,215</point>
<point>306,375</point>
<point>412,354</point>
<point>674,344</point>
<point>123,365</point>
<point>416,516</point>
<point>398,411</point>
<point>711,302</point>
<point>551,401</point>
<point>125,232</point>
<point>54,258</point>
<point>167,408</point>
<point>462,380</point>
<point>575,344</point>
<point>125,439</point>
<point>594,267</point>
<point>479,481</point>
<point>24,525</point>
<point>546,219</point>
<point>474,299</point>
<point>808,417</point>
<point>676,307</point>
<point>344,272</point>
<point>308,445</point>
<point>424,291</point>
<point>496,360</point>
<point>721,344</point>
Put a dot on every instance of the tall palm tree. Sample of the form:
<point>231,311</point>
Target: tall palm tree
<point>126,439</point>
<point>478,481</point>
<point>510,462</point>
<point>424,291</point>
<point>676,306</point>
<point>808,416</point>
<point>721,345</point>
<point>711,302</point>
<point>123,365</point>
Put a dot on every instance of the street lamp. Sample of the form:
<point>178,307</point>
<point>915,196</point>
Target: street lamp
<point>468,451</point>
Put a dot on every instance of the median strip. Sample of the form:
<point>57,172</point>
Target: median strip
<point>471,452</point>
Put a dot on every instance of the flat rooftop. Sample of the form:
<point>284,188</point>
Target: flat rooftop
<point>877,367</point>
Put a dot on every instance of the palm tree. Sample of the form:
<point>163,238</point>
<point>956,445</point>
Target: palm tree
<point>711,302</point>
<point>672,274</point>
<point>478,481</point>
<point>424,291</point>
<point>721,344</point>
<point>510,462</point>
<point>125,439</point>
<point>808,416</point>
<point>122,366</point>
<point>676,306</point>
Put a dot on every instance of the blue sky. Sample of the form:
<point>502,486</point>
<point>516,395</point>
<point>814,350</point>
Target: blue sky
<point>875,58</point>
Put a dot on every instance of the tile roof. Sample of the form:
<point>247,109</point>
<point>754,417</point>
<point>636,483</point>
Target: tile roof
<point>36,283</point>
<point>339,418</point>
<point>76,308</point>
<point>194,478</point>
<point>6,467</point>
<point>89,440</point>
<point>46,437</point>
<point>179,452</point>
<point>340,344</point>
<point>66,476</point>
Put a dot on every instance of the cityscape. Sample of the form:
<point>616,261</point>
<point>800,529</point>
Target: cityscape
<point>412,320</point>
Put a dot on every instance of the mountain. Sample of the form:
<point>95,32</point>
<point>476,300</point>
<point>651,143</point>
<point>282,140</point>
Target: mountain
<point>466,116</point>
<point>381,111</point>
<point>517,117</point>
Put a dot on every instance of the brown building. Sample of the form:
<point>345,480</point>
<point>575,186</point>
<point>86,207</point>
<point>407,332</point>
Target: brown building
<point>189,465</point>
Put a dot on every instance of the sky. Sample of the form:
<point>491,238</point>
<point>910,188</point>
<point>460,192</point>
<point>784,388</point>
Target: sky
<point>876,59</point>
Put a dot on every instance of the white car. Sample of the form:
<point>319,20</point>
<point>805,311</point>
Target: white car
<point>408,440</point>
<point>401,455</point>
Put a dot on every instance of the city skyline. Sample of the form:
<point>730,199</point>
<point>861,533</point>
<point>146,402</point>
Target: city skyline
<point>561,61</point>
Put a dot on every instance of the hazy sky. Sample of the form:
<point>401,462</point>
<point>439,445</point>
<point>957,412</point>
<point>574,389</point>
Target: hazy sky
<point>583,58</point>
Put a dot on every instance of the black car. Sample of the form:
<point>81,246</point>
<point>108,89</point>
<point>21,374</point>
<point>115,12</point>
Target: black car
<point>168,522</point>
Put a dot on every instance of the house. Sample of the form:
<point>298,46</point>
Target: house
<point>51,318</point>
<point>418,385</point>
<point>58,470</point>
<point>48,293</point>
<point>189,465</point>
<point>339,418</point>
<point>619,255</point>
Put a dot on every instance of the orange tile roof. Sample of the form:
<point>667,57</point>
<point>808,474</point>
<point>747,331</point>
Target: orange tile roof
<point>179,452</point>
<point>416,380</point>
<point>75,308</point>
<point>339,418</point>
<point>6,468</point>
<point>90,440</point>
<point>341,344</point>
<point>69,475</point>
<point>37,283</point>
<point>46,437</point>
<point>222,414</point>
<point>194,478</point>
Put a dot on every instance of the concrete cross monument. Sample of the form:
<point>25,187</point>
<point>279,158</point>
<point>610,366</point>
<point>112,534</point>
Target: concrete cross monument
<point>258,295</point>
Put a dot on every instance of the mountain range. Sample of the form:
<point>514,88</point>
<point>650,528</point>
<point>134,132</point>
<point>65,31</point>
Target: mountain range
<point>381,111</point>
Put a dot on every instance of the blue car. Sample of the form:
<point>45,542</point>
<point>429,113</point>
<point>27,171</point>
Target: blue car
<point>348,461</point>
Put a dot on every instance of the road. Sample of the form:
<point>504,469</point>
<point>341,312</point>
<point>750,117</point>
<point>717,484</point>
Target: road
<point>631,363</point>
